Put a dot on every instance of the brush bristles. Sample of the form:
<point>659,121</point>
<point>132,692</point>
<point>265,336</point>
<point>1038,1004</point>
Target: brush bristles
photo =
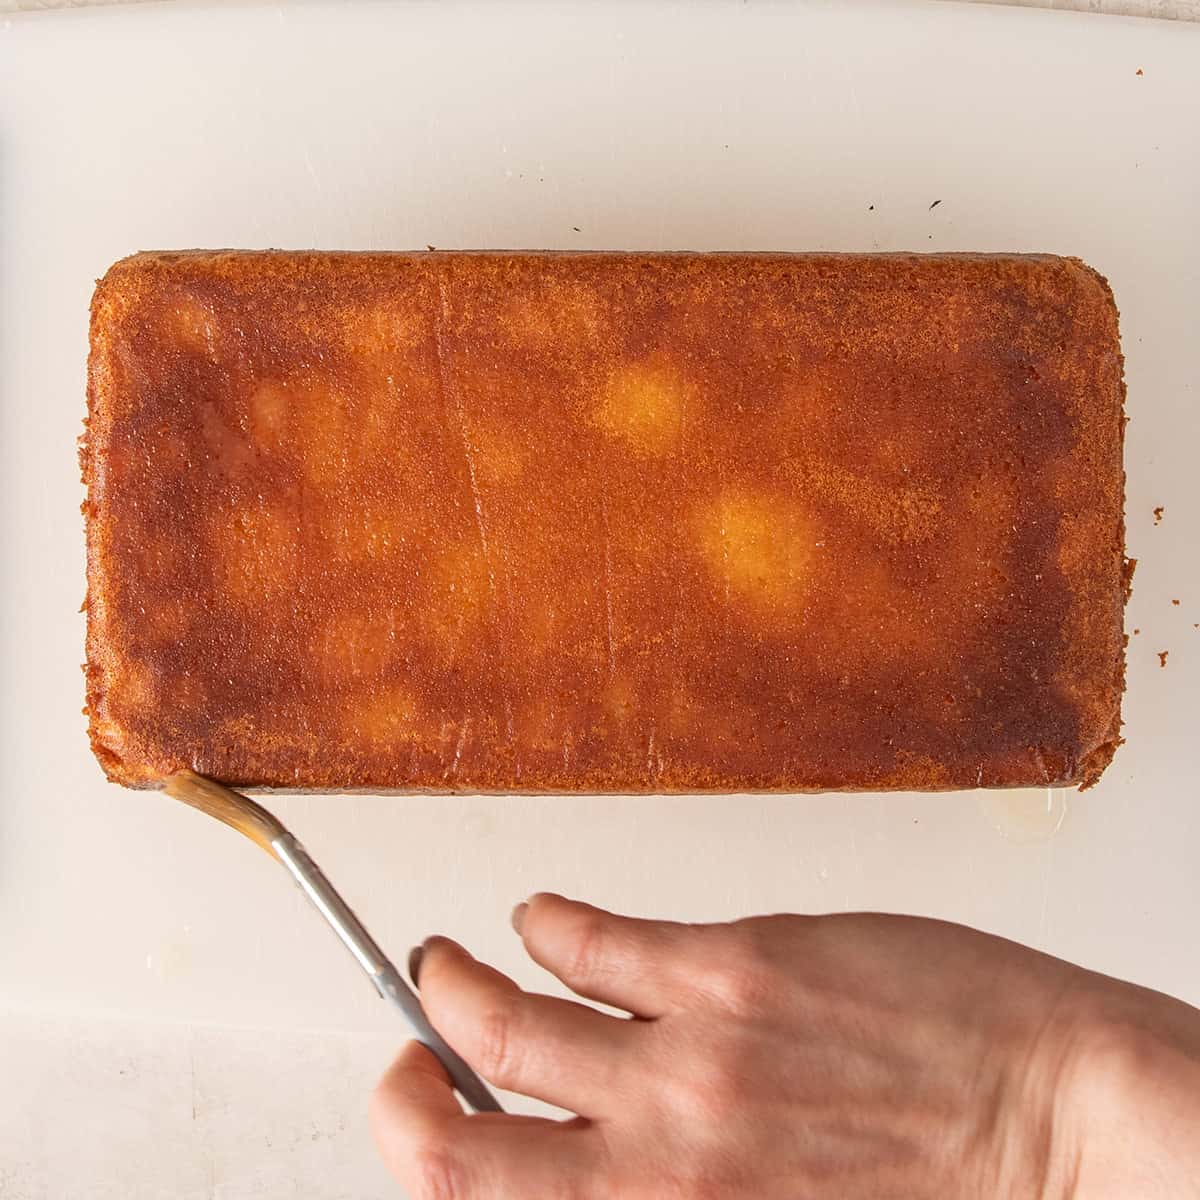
<point>228,806</point>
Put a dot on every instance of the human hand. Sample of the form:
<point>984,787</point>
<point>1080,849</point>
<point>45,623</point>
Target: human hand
<point>841,1056</point>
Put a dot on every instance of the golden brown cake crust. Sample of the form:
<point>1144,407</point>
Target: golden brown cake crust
<point>604,522</point>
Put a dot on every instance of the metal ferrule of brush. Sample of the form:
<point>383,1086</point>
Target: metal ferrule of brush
<point>379,968</point>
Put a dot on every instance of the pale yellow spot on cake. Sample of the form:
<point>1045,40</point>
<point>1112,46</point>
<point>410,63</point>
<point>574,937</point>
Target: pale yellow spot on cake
<point>388,716</point>
<point>325,433</point>
<point>330,432</point>
<point>307,418</point>
<point>192,325</point>
<point>270,415</point>
<point>762,547</point>
<point>644,405</point>
<point>459,596</point>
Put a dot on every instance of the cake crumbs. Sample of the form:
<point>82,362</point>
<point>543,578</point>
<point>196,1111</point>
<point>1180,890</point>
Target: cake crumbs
<point>1162,657</point>
<point>1136,632</point>
<point>1175,602</point>
<point>1128,567</point>
<point>1158,513</point>
<point>1138,71</point>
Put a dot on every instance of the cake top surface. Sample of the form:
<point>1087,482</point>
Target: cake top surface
<point>605,522</point>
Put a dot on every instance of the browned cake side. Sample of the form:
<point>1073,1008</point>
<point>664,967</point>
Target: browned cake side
<point>604,522</point>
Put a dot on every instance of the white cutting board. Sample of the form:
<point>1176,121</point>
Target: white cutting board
<point>655,125</point>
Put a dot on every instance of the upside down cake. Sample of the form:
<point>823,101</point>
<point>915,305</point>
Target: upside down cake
<point>604,522</point>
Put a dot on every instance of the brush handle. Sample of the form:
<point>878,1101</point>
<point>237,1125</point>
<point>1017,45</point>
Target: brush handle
<point>387,980</point>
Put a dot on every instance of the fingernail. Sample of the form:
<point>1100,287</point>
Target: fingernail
<point>414,964</point>
<point>518,916</point>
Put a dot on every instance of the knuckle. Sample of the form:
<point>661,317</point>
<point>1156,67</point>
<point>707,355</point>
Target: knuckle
<point>740,973</point>
<point>499,1042</point>
<point>746,990</point>
<point>717,1095</point>
<point>589,952</point>
<point>706,1184</point>
<point>708,1173</point>
<point>714,1084</point>
<point>743,988</point>
<point>437,1174</point>
<point>572,1189</point>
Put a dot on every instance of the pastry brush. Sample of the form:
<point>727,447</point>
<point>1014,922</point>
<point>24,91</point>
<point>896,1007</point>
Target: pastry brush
<point>266,831</point>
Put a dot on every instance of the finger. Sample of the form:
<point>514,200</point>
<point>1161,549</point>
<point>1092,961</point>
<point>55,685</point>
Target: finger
<point>559,1051</point>
<point>492,1157</point>
<point>436,1150</point>
<point>636,965</point>
<point>413,1102</point>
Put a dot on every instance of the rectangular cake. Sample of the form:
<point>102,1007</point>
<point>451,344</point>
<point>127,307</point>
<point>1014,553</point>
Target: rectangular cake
<point>604,522</point>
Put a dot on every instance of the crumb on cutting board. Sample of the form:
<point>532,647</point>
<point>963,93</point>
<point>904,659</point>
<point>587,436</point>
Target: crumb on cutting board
<point>1162,657</point>
<point>1158,513</point>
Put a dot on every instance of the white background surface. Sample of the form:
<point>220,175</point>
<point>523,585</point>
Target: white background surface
<point>178,1023</point>
<point>1182,10</point>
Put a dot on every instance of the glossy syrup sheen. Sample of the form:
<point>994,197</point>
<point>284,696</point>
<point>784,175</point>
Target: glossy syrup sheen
<point>604,522</point>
